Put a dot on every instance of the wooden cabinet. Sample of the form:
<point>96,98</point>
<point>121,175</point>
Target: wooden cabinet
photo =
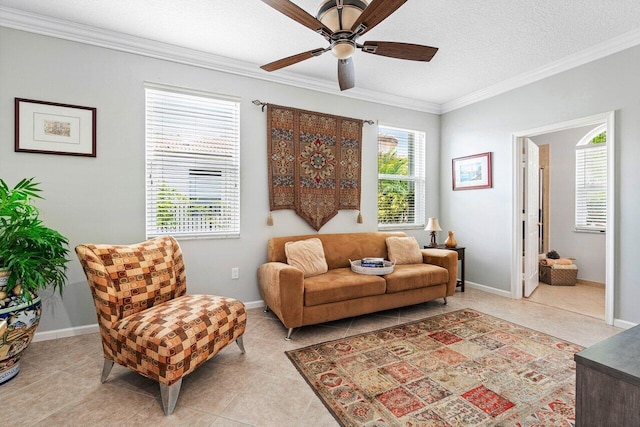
<point>608,382</point>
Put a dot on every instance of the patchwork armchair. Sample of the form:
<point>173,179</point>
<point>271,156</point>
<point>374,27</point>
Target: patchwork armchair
<point>147,322</point>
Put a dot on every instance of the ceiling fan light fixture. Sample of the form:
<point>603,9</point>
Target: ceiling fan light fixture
<point>329,14</point>
<point>343,49</point>
<point>340,23</point>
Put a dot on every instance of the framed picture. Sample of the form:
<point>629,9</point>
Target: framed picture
<point>52,128</point>
<point>471,172</point>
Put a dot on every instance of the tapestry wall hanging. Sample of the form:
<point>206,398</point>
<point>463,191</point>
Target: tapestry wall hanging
<point>314,163</point>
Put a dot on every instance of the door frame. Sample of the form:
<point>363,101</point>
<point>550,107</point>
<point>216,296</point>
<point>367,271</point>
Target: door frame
<point>517,197</point>
<point>530,217</point>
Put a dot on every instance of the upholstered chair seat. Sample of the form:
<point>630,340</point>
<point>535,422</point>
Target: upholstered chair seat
<point>147,322</point>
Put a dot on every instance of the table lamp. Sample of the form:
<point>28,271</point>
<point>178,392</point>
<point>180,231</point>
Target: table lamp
<point>433,226</point>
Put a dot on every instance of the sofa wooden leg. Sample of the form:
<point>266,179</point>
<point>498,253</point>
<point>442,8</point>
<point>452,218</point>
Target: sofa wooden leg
<point>445,300</point>
<point>288,337</point>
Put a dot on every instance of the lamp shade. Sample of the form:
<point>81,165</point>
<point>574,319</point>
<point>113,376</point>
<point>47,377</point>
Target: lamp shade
<point>433,225</point>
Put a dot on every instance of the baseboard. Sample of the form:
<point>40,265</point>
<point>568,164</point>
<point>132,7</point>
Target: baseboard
<point>65,333</point>
<point>488,289</point>
<point>590,283</point>
<point>623,324</point>
<point>254,304</point>
<point>90,329</point>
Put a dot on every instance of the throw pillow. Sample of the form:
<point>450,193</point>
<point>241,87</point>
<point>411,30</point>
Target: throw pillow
<point>307,255</point>
<point>404,250</point>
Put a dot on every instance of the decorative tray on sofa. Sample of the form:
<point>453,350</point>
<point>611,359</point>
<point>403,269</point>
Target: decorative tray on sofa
<point>382,266</point>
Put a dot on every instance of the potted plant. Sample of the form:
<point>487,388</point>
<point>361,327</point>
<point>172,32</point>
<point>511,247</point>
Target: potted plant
<point>32,257</point>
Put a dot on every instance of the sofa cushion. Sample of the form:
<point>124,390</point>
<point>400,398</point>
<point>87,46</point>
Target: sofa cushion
<point>413,276</point>
<point>307,255</point>
<point>403,250</point>
<point>338,248</point>
<point>341,284</point>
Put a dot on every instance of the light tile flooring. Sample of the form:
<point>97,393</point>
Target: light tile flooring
<point>581,298</point>
<point>59,383</point>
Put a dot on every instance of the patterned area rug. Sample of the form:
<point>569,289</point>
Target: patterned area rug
<point>463,368</point>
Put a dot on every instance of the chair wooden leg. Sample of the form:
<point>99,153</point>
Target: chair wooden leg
<point>240,344</point>
<point>106,370</point>
<point>169,395</point>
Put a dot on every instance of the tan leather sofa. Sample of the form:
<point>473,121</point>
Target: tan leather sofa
<point>341,293</point>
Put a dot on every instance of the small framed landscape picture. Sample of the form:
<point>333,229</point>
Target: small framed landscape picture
<point>52,128</point>
<point>471,172</point>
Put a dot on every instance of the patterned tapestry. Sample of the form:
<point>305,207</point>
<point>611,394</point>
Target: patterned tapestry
<point>314,163</point>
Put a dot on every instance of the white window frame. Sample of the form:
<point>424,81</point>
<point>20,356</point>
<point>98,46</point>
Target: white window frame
<point>583,190</point>
<point>192,146</point>
<point>417,177</point>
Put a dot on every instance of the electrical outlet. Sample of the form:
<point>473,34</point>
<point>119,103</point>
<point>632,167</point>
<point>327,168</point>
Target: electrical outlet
<point>235,273</point>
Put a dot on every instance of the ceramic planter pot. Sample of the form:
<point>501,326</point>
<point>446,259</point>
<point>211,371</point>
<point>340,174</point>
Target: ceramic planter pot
<point>18,323</point>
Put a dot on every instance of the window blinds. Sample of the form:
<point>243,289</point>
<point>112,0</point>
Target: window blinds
<point>192,164</point>
<point>401,177</point>
<point>591,187</point>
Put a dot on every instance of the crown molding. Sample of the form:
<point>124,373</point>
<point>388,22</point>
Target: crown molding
<point>609,47</point>
<point>43,25</point>
<point>40,24</point>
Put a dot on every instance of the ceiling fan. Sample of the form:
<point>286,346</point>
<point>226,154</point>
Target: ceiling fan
<point>341,22</point>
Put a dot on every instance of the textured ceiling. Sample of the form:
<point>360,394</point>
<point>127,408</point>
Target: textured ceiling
<point>482,43</point>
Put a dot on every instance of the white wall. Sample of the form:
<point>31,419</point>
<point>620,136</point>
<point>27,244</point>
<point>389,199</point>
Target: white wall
<point>482,218</point>
<point>101,200</point>
<point>589,249</point>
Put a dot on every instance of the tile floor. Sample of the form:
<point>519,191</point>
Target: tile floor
<point>59,382</point>
<point>587,299</point>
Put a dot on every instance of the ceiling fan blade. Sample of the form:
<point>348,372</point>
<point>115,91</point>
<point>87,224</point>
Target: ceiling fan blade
<point>376,12</point>
<point>294,59</point>
<point>346,74</point>
<point>412,52</point>
<point>298,14</point>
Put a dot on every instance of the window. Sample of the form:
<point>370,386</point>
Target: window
<point>401,178</point>
<point>591,181</point>
<point>193,164</point>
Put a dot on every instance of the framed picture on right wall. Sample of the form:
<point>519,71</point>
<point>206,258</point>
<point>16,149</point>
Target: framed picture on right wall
<point>471,172</point>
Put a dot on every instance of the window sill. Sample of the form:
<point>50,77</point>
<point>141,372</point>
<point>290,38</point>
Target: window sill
<point>400,227</point>
<point>180,237</point>
<point>590,231</point>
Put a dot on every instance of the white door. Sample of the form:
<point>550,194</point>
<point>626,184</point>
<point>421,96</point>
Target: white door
<point>532,206</point>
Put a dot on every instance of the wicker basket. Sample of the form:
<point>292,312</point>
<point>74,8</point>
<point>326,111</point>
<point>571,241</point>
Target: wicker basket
<point>558,277</point>
<point>376,271</point>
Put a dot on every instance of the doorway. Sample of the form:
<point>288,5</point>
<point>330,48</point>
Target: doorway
<point>525,256</point>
